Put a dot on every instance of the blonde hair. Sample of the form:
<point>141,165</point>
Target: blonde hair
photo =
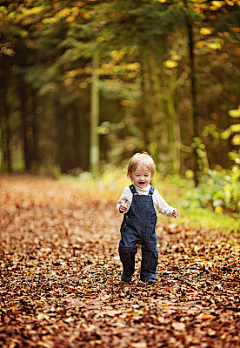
<point>141,158</point>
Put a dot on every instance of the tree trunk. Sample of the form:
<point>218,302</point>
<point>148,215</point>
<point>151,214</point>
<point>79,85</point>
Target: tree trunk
<point>94,137</point>
<point>62,139</point>
<point>7,127</point>
<point>22,92</point>
<point>145,123</point>
<point>174,134</point>
<point>194,101</point>
<point>35,129</point>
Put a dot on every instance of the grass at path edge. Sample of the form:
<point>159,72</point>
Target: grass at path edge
<point>110,185</point>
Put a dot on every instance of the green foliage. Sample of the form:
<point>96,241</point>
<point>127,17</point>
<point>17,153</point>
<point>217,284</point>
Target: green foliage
<point>177,191</point>
<point>218,191</point>
<point>145,78</point>
<point>195,217</point>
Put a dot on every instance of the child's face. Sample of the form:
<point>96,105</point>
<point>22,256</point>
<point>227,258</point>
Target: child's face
<point>141,176</point>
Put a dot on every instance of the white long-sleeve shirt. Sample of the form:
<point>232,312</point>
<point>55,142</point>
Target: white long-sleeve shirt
<point>159,203</point>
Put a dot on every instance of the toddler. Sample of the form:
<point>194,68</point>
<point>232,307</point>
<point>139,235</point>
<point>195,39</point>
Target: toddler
<point>138,203</point>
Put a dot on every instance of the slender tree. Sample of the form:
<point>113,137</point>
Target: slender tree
<point>196,133</point>
<point>95,112</point>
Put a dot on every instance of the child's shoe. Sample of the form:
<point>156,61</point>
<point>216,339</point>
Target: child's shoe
<point>152,281</point>
<point>149,281</point>
<point>126,278</point>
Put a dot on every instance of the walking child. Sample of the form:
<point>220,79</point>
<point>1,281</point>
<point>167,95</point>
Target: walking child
<point>138,203</point>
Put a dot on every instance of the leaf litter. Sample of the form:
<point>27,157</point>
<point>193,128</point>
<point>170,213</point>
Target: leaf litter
<point>60,276</point>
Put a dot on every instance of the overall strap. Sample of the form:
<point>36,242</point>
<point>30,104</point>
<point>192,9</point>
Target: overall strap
<point>151,191</point>
<point>133,190</point>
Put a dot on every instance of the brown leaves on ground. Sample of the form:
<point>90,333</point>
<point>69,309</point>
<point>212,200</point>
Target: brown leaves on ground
<point>60,276</point>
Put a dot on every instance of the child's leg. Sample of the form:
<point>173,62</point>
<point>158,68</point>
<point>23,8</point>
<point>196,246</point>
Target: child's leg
<point>127,256</point>
<point>149,263</point>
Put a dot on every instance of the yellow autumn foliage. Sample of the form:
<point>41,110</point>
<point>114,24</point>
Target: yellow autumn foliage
<point>219,210</point>
<point>218,4</point>
<point>205,31</point>
<point>170,64</point>
<point>70,19</point>
<point>117,55</point>
<point>125,102</point>
<point>63,13</point>
<point>236,140</point>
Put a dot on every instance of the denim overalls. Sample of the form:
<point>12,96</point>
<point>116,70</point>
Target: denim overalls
<point>138,227</point>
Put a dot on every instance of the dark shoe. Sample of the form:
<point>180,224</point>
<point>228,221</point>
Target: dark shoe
<point>126,278</point>
<point>150,281</point>
<point>123,282</point>
<point>153,281</point>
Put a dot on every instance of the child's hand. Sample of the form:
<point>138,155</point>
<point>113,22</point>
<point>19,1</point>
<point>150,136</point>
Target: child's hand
<point>175,213</point>
<point>123,207</point>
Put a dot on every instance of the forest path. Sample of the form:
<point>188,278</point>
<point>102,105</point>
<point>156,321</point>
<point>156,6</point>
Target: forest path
<point>60,276</point>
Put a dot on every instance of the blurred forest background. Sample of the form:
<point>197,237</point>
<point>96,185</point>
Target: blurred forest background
<point>84,83</point>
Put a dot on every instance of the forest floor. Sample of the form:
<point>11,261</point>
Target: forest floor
<point>60,276</point>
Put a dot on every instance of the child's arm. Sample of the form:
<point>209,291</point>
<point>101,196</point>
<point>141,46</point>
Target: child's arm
<point>175,213</point>
<point>123,207</point>
<point>124,201</point>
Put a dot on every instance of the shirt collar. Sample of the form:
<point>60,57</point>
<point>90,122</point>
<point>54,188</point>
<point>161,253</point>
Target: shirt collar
<point>145,189</point>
